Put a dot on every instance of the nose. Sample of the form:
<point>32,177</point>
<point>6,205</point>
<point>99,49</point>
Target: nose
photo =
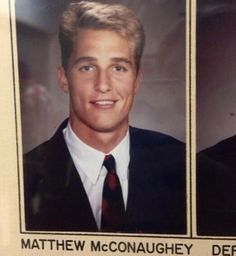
<point>103,83</point>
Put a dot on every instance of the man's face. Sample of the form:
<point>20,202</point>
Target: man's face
<point>101,79</point>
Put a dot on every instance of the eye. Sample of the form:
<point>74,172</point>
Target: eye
<point>119,68</point>
<point>86,68</point>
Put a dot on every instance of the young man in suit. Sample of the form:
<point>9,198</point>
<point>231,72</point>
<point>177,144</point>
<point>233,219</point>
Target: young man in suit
<point>68,184</point>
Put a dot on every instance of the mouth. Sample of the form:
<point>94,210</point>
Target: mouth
<point>104,103</point>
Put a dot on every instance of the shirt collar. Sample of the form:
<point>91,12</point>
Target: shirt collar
<point>89,161</point>
<point>122,157</point>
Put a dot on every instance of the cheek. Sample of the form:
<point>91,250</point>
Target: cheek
<point>79,85</point>
<point>77,94</point>
<point>126,85</point>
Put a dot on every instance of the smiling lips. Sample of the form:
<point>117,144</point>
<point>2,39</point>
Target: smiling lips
<point>104,103</point>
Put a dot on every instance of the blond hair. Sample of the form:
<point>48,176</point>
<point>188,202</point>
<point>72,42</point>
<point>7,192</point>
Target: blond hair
<point>94,15</point>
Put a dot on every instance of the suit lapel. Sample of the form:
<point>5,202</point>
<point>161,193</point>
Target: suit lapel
<point>139,181</point>
<point>153,198</point>
<point>64,185</point>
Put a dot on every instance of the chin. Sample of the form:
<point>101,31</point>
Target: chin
<point>108,128</point>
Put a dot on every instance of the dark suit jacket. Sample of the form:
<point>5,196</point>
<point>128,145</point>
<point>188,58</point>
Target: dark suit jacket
<point>55,199</point>
<point>216,189</point>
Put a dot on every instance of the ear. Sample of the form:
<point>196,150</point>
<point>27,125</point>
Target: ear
<point>62,79</point>
<point>139,78</point>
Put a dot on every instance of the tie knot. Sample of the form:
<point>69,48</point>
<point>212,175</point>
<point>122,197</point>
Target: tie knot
<point>109,163</point>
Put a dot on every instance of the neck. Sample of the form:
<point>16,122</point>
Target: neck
<point>104,141</point>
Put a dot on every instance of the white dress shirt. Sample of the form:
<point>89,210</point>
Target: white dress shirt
<point>89,164</point>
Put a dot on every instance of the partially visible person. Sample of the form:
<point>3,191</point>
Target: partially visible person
<point>216,79</point>
<point>216,189</point>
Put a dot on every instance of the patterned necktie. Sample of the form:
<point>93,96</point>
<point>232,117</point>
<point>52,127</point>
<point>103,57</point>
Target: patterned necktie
<point>113,210</point>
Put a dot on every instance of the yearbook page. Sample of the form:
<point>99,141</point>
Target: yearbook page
<point>117,127</point>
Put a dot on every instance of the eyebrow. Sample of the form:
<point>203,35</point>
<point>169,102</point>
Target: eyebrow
<point>83,59</point>
<point>89,58</point>
<point>121,59</point>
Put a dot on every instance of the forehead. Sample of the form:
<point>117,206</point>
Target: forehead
<point>101,39</point>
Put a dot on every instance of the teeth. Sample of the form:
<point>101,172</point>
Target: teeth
<point>104,102</point>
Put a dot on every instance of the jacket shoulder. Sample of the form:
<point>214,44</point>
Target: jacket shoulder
<point>223,152</point>
<point>153,138</point>
<point>223,147</point>
<point>52,151</point>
